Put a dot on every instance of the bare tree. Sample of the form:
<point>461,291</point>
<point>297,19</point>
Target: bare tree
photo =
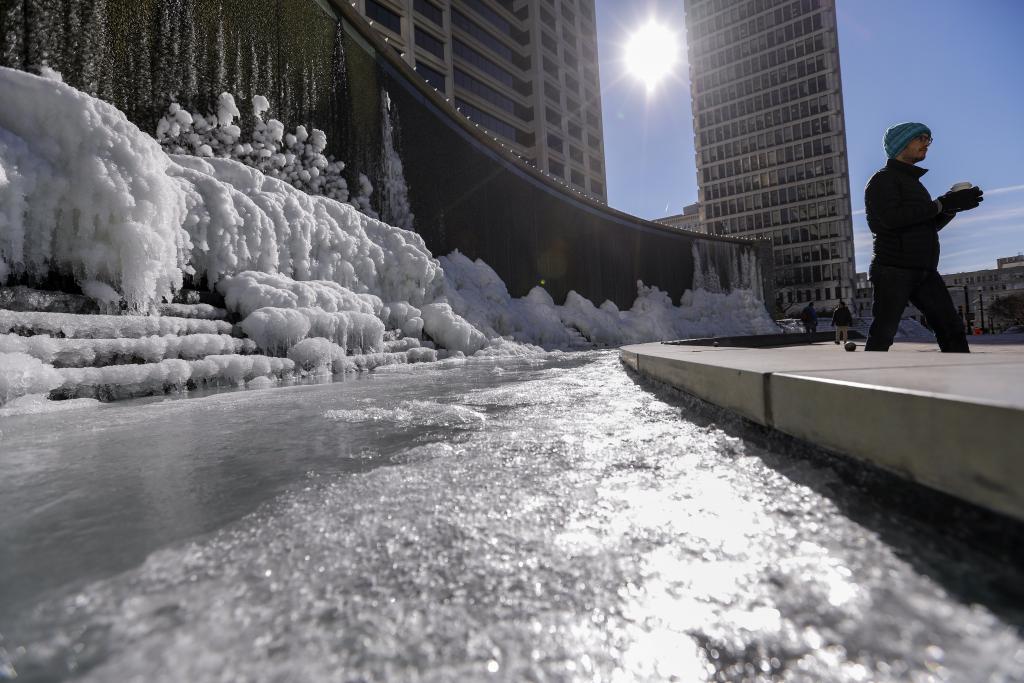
<point>1010,307</point>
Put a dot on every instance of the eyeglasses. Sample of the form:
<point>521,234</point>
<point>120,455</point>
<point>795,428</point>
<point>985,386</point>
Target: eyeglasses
<point>924,138</point>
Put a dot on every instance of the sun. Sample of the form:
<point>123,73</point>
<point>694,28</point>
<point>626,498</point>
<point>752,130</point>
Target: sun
<point>651,53</point>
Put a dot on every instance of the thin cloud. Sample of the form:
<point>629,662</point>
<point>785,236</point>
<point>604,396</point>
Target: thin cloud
<point>1005,190</point>
<point>991,216</point>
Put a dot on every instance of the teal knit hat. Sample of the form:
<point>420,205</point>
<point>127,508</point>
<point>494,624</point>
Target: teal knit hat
<point>899,136</point>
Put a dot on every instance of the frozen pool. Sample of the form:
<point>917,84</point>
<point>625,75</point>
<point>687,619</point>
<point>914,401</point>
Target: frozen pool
<point>549,519</point>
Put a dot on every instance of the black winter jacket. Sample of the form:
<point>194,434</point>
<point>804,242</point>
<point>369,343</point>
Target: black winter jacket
<point>842,316</point>
<point>903,218</point>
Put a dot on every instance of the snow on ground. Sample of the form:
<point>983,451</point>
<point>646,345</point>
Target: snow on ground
<point>314,283</point>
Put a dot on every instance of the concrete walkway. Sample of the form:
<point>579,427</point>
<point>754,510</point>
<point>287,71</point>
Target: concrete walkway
<point>954,422</point>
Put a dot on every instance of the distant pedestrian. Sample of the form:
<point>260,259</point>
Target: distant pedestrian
<point>842,318</point>
<point>904,222</point>
<point>809,317</point>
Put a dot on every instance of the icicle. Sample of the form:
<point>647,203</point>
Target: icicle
<point>395,208</point>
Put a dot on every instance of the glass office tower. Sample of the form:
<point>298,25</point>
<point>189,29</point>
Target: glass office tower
<point>770,138</point>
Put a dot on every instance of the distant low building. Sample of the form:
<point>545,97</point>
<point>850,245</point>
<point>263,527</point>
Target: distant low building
<point>1010,261</point>
<point>972,293</point>
<point>689,219</point>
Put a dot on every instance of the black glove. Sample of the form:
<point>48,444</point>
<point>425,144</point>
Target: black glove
<point>961,200</point>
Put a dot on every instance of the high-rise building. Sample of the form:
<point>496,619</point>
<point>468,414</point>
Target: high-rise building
<point>770,138</point>
<point>525,70</point>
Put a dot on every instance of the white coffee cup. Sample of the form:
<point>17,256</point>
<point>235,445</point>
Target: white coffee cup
<point>961,186</point>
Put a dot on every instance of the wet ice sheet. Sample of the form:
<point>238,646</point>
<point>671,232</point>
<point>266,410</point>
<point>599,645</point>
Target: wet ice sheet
<point>532,522</point>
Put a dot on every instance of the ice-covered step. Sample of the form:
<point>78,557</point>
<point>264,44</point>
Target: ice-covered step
<point>105,326</point>
<point>403,344</point>
<point>117,382</point>
<point>201,311</point>
<point>81,353</point>
<point>21,298</point>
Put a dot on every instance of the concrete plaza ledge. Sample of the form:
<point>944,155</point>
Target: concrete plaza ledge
<point>953,422</point>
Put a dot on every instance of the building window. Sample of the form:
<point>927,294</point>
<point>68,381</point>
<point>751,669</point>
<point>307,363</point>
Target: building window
<point>495,19</point>
<point>596,186</point>
<point>432,76</point>
<point>556,168</point>
<point>556,143</point>
<point>429,43</point>
<point>483,63</point>
<point>483,35</point>
<point>491,123</point>
<point>576,154</point>
<point>577,178</point>
<point>481,89</point>
<point>382,15</point>
<point>549,42</point>
<point>430,11</point>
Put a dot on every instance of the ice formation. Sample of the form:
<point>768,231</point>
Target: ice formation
<point>314,283</point>
<point>297,158</point>
<point>84,193</point>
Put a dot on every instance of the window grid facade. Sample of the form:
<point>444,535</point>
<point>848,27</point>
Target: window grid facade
<point>770,138</point>
<point>525,70</point>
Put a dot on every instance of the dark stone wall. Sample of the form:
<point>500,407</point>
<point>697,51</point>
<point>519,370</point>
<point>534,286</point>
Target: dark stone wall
<point>321,65</point>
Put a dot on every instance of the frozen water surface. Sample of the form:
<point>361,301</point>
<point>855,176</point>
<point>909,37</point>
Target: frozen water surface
<point>547,519</point>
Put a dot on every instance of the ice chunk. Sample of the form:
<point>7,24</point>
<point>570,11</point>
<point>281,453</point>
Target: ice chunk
<point>22,374</point>
<point>276,330</point>
<point>250,290</point>
<point>316,355</point>
<point>450,330</point>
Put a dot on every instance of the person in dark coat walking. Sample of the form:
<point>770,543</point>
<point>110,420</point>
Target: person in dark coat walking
<point>842,318</point>
<point>809,317</point>
<point>905,221</point>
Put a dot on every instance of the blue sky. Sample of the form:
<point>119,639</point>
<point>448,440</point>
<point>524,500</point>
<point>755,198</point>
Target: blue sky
<point>954,65</point>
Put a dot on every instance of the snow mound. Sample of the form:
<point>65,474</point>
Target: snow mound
<point>21,374</point>
<point>252,290</point>
<point>241,220</point>
<point>87,194</point>
<point>478,295</point>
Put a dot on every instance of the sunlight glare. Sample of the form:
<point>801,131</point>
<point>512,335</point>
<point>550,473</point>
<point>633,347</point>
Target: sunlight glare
<point>651,53</point>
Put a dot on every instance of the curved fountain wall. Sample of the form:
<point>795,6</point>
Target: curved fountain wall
<point>320,64</point>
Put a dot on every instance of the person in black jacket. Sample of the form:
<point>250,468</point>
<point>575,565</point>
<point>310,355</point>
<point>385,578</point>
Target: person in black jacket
<point>904,222</point>
<point>842,318</point>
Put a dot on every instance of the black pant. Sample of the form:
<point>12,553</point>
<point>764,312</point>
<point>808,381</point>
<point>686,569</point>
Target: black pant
<point>894,287</point>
